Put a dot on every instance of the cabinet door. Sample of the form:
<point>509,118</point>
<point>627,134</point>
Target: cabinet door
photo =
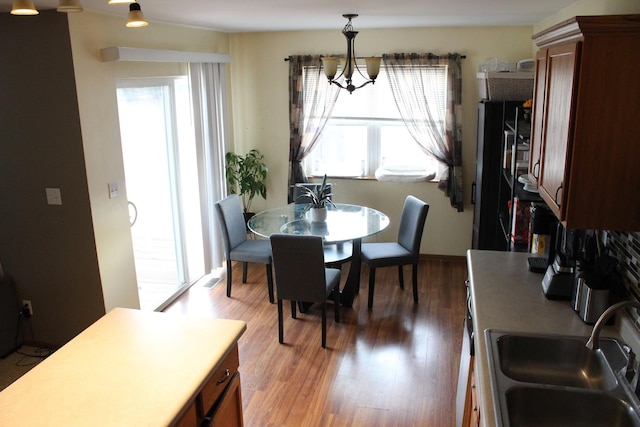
<point>228,412</point>
<point>537,129</point>
<point>558,124</point>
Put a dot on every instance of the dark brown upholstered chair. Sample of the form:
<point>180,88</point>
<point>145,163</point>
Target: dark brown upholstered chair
<point>301,276</point>
<point>403,252</point>
<point>236,245</point>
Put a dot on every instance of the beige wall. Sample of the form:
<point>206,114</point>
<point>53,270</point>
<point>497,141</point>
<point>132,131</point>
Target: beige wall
<point>261,119</point>
<point>96,86</point>
<point>590,7</point>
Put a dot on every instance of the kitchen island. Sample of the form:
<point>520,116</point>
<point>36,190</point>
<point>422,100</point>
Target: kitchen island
<point>132,368</point>
<point>507,297</point>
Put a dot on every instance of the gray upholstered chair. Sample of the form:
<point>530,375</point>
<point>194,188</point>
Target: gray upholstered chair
<point>236,245</point>
<point>403,252</point>
<point>301,276</point>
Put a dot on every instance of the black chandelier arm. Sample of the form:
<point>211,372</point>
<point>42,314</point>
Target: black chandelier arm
<point>350,87</point>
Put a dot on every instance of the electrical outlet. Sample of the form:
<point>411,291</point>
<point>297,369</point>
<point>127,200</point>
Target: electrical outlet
<point>27,308</point>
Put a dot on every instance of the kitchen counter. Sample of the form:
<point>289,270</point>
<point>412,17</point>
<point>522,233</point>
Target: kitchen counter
<point>130,368</point>
<point>507,297</point>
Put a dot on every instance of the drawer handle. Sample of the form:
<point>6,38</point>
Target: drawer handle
<point>556,196</point>
<point>227,374</point>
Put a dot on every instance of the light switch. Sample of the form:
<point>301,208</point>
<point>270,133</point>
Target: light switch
<point>53,196</point>
<point>113,189</point>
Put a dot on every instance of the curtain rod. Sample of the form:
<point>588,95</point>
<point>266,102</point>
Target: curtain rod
<point>361,57</point>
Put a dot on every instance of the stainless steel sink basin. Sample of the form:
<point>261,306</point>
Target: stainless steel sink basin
<point>549,380</point>
<point>530,406</point>
<point>549,360</point>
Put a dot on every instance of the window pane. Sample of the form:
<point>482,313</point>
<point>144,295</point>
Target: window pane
<point>399,149</point>
<point>341,151</point>
<point>372,101</point>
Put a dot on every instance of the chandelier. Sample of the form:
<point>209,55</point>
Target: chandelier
<point>350,65</point>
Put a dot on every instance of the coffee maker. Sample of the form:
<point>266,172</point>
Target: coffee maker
<point>543,238</point>
<point>558,281</point>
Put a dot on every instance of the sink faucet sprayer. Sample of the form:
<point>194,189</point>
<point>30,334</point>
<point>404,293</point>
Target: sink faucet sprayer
<point>592,343</point>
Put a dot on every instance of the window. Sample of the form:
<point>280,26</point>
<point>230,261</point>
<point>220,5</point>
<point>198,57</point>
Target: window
<point>366,134</point>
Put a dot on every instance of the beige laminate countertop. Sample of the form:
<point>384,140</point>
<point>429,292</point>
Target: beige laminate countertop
<point>507,297</point>
<point>130,368</point>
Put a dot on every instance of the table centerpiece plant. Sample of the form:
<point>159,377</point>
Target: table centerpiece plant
<point>320,197</point>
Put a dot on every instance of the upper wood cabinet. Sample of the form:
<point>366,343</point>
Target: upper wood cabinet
<point>585,142</point>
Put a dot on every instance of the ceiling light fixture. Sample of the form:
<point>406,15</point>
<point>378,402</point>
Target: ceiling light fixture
<point>23,7</point>
<point>331,63</point>
<point>136,18</point>
<point>120,1</point>
<point>69,6</point>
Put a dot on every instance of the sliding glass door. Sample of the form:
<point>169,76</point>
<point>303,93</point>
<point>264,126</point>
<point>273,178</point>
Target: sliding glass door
<point>160,163</point>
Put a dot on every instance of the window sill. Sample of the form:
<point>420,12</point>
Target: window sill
<point>404,176</point>
<point>432,179</point>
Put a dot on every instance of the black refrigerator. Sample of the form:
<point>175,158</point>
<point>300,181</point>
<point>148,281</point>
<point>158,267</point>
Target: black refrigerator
<point>485,193</point>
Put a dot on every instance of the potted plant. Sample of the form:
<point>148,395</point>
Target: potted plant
<point>319,196</point>
<point>246,176</point>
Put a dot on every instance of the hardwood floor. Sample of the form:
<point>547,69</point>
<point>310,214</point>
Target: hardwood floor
<point>396,365</point>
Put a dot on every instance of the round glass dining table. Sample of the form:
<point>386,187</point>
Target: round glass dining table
<point>344,223</point>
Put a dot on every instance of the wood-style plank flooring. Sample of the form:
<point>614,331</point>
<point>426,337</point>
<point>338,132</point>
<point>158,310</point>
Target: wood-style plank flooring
<point>394,365</point>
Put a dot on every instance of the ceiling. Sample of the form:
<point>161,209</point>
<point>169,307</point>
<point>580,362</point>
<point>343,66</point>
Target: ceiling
<point>280,15</point>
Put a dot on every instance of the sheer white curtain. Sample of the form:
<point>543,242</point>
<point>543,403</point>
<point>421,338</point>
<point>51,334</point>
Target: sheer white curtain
<point>311,101</point>
<point>209,97</point>
<point>435,124</point>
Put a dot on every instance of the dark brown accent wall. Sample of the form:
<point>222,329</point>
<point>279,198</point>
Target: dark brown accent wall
<point>50,250</point>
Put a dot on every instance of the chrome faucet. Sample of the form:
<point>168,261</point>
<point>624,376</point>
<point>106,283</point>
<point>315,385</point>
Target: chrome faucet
<point>592,343</point>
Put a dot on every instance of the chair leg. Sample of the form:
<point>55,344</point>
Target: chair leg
<point>372,280</point>
<point>229,268</point>
<point>415,282</point>
<point>324,324</point>
<point>244,272</point>
<point>293,309</point>
<point>270,283</point>
<point>336,302</point>
<point>280,326</point>
<point>401,276</point>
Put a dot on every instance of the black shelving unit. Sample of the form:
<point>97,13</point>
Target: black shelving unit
<point>487,193</point>
<point>520,128</point>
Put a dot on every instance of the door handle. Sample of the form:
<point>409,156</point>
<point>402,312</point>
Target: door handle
<point>133,213</point>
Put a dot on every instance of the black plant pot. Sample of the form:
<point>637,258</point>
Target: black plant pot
<point>247,217</point>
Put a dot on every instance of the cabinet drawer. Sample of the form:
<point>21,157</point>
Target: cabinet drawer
<point>218,381</point>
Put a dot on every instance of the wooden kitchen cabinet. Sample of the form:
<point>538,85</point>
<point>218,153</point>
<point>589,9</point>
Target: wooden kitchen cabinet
<point>220,401</point>
<point>585,146</point>
<point>472,410</point>
<point>536,132</point>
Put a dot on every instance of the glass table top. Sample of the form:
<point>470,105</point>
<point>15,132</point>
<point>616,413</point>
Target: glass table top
<point>344,222</point>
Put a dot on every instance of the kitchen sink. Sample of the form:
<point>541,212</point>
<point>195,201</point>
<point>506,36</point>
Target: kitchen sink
<point>549,360</point>
<point>531,406</point>
<point>554,380</point>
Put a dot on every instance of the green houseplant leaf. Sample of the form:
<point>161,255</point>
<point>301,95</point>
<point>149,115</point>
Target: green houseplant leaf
<point>246,176</point>
<point>319,195</point>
